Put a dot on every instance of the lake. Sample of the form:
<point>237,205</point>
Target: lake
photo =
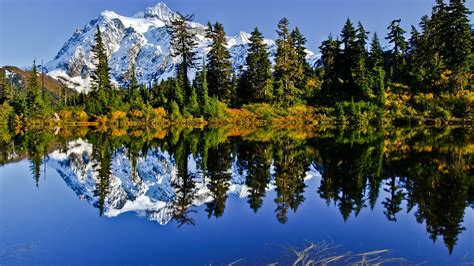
<point>247,196</point>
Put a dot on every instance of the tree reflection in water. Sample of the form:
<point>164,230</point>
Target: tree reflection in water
<point>427,171</point>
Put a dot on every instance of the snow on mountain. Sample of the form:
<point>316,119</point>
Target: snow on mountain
<point>145,38</point>
<point>147,191</point>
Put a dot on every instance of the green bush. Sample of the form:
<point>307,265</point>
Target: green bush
<point>262,110</point>
<point>175,113</point>
<point>5,112</point>
<point>216,108</point>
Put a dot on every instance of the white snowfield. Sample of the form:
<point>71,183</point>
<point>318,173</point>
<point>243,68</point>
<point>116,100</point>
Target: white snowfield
<point>145,38</point>
<point>148,191</point>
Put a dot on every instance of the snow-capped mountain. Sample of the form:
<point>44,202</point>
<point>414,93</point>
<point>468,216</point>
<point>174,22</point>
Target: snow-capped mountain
<point>147,191</point>
<point>143,37</point>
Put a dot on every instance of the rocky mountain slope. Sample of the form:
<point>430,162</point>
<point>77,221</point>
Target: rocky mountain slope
<point>145,38</point>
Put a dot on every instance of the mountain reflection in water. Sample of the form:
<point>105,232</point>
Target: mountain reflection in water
<point>165,175</point>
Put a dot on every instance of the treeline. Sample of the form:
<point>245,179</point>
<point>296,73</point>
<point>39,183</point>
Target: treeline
<point>428,75</point>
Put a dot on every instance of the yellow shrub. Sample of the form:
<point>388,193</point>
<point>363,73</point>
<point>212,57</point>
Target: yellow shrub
<point>65,115</point>
<point>239,115</point>
<point>102,119</point>
<point>160,112</point>
<point>81,116</point>
<point>118,132</point>
<point>160,134</point>
<point>136,133</point>
<point>136,114</point>
<point>118,115</point>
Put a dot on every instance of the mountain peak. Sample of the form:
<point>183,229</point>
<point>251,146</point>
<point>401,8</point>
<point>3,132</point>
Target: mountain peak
<point>239,39</point>
<point>160,11</point>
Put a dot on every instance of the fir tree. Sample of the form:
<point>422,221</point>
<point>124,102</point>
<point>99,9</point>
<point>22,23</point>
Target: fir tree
<point>134,97</point>
<point>258,73</point>
<point>299,42</point>
<point>193,104</point>
<point>203,94</point>
<point>287,69</point>
<point>397,55</point>
<point>102,89</point>
<point>360,73</point>
<point>183,43</point>
<point>415,64</point>
<point>347,62</point>
<point>377,72</point>
<point>458,36</point>
<point>6,90</point>
<point>329,56</point>
<point>176,94</point>
<point>219,65</point>
<point>34,100</point>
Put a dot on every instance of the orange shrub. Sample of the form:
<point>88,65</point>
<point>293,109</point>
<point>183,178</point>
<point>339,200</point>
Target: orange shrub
<point>160,134</point>
<point>237,115</point>
<point>136,114</point>
<point>81,116</point>
<point>301,111</point>
<point>65,115</point>
<point>118,115</point>
<point>102,119</point>
<point>136,133</point>
<point>160,112</point>
<point>118,132</point>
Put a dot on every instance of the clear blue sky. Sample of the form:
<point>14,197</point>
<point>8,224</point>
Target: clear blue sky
<point>38,28</point>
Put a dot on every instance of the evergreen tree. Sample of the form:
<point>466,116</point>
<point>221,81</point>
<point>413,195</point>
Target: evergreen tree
<point>6,90</point>
<point>203,93</point>
<point>102,88</point>
<point>329,56</point>
<point>347,61</point>
<point>193,104</point>
<point>183,43</point>
<point>377,72</point>
<point>299,42</point>
<point>176,94</point>
<point>219,65</point>
<point>175,111</point>
<point>132,79</point>
<point>34,100</point>
<point>134,98</point>
<point>458,36</point>
<point>159,93</point>
<point>360,73</point>
<point>287,69</point>
<point>397,55</point>
<point>415,66</point>
<point>258,74</point>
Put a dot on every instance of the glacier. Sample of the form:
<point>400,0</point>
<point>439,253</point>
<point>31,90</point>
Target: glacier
<point>144,37</point>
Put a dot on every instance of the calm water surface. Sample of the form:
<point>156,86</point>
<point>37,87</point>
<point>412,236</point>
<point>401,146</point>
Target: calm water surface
<point>217,196</point>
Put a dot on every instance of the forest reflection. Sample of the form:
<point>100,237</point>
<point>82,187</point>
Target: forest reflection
<point>427,171</point>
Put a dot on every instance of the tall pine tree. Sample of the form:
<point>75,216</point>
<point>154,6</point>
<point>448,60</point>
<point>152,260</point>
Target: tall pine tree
<point>458,49</point>
<point>183,42</point>
<point>299,42</point>
<point>397,54</point>
<point>287,69</point>
<point>360,72</point>
<point>102,88</point>
<point>203,91</point>
<point>219,65</point>
<point>258,76</point>
<point>329,55</point>
<point>376,71</point>
<point>34,100</point>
